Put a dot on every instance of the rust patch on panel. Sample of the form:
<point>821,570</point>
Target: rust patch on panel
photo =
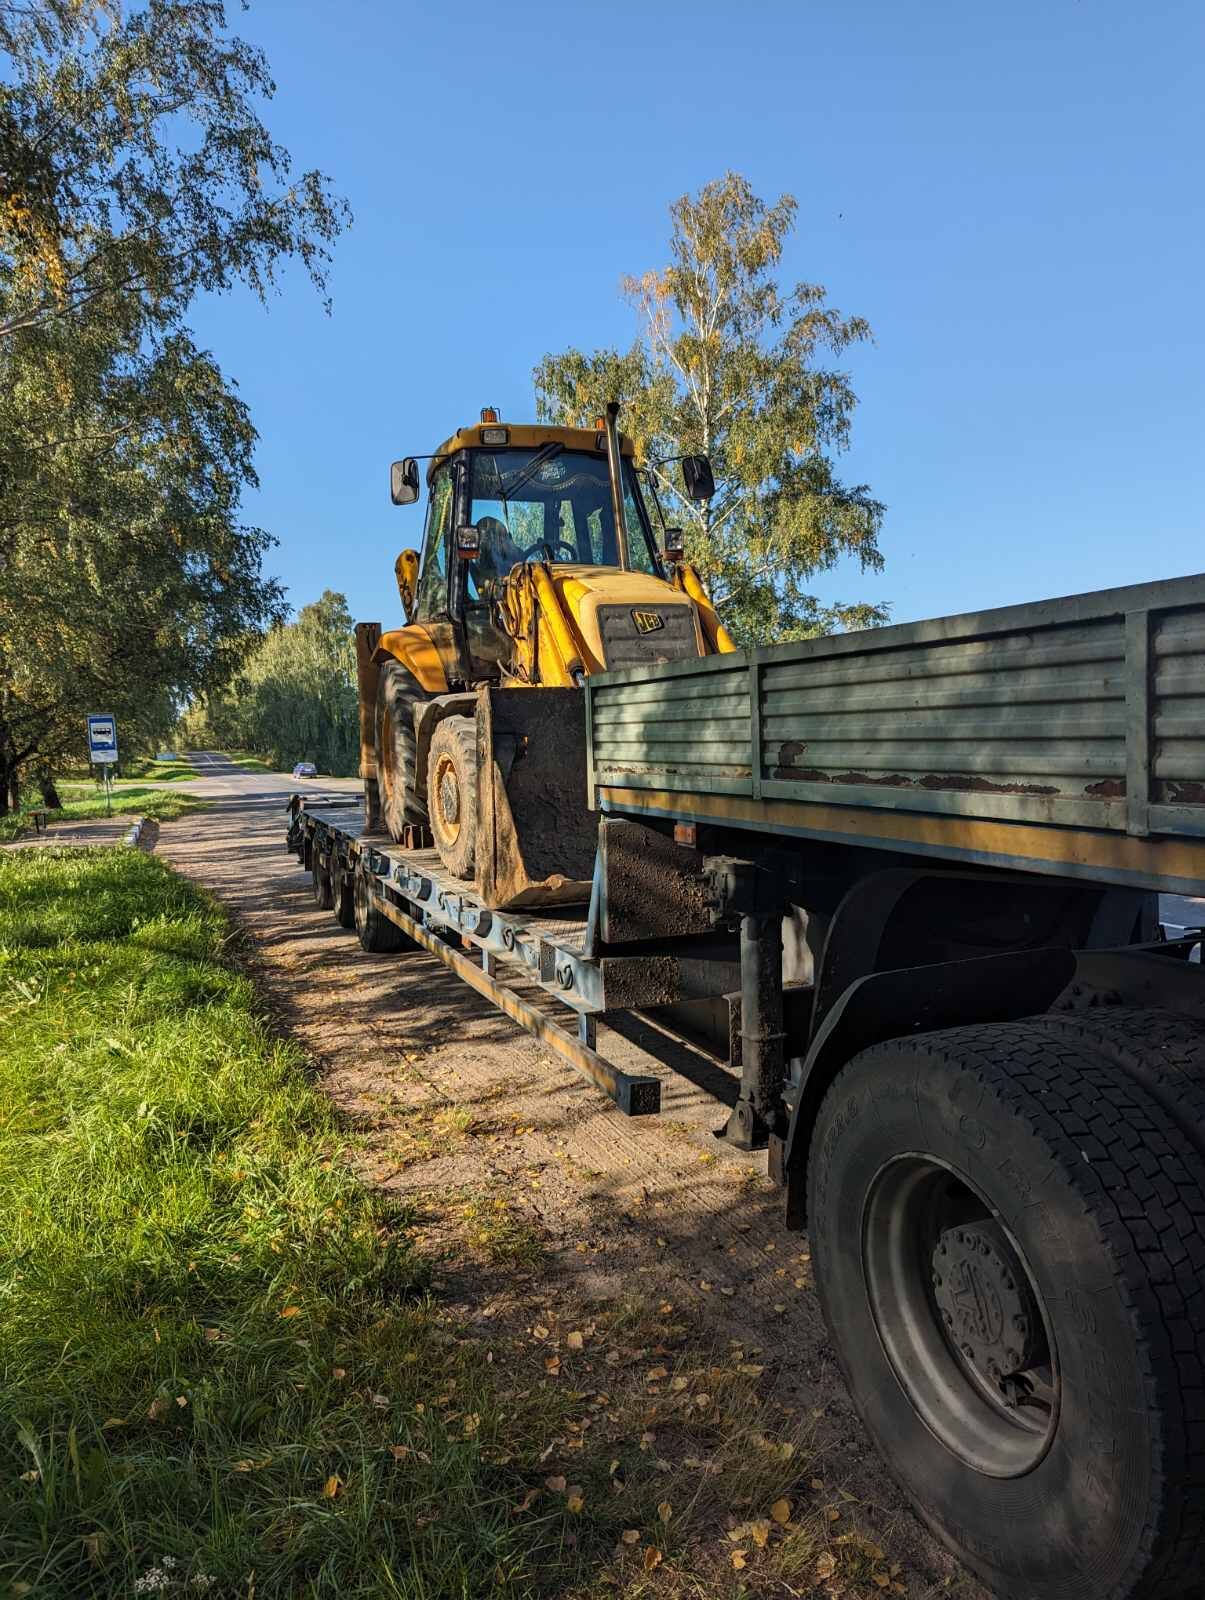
<point>902,780</point>
<point>1184,793</point>
<point>1107,789</point>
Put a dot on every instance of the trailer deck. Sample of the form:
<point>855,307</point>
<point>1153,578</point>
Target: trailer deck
<point>555,950</point>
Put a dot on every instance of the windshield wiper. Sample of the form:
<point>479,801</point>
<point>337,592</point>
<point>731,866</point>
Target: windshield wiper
<point>532,467</point>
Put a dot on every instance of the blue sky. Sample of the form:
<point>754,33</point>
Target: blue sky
<point>1011,194</point>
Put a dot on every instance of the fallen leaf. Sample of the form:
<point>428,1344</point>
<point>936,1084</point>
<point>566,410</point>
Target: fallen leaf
<point>760,1532</point>
<point>528,1500</point>
<point>556,1483</point>
<point>652,1557</point>
<point>739,1559</point>
<point>552,1364</point>
<point>380,1401</point>
<point>826,1564</point>
<point>540,1331</point>
<point>575,1499</point>
<point>655,1373</point>
<point>678,1384</point>
<point>399,1452</point>
<point>881,1578</point>
<point>157,1408</point>
<point>332,1486</point>
<point>32,1476</point>
<point>665,1308</point>
<point>613,1468</point>
<point>630,1536</point>
<point>114,1422</point>
<point>832,1513</point>
<point>780,1308</point>
<point>817,1483</point>
<point>181,1400</point>
<point>338,1372</point>
<point>574,1341</point>
<point>665,1511</point>
<point>702,1401</point>
<point>291,1311</point>
<point>213,1333</point>
<point>781,1511</point>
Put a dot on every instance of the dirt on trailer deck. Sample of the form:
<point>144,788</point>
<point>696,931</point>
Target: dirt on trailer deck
<point>451,1100</point>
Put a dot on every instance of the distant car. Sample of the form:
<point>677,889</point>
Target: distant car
<point>305,769</point>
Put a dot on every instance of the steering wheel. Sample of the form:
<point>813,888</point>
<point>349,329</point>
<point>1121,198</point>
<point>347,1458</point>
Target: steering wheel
<point>543,551</point>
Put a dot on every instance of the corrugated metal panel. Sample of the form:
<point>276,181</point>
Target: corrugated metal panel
<point>1178,713</point>
<point>1038,713</point>
<point>1088,711</point>
<point>676,730</point>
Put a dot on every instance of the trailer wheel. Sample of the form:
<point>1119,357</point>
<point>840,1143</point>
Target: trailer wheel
<point>344,892</point>
<point>376,933</point>
<point>1163,1050</point>
<point>452,793</point>
<point>1009,1234</point>
<point>320,872</point>
<point>398,693</point>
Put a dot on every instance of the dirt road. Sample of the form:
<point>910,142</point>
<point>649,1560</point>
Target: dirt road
<point>451,1098</point>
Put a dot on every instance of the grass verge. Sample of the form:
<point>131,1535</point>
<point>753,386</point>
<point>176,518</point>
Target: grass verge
<point>148,769</point>
<point>224,1371</point>
<point>84,801</point>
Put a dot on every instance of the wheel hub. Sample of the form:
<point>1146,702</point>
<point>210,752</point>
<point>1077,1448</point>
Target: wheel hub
<point>983,1295</point>
<point>449,795</point>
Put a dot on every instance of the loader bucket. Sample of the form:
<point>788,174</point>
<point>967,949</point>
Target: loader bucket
<point>536,837</point>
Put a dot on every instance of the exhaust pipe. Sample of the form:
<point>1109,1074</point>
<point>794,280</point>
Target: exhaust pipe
<point>615,469</point>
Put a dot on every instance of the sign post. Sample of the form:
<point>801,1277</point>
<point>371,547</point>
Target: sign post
<point>102,751</point>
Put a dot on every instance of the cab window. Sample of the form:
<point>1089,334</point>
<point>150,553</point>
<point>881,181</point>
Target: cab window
<point>560,511</point>
<point>433,574</point>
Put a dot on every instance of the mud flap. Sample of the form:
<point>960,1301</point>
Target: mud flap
<point>536,837</point>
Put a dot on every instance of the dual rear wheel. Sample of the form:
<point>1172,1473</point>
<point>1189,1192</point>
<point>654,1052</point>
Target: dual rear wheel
<point>1008,1224</point>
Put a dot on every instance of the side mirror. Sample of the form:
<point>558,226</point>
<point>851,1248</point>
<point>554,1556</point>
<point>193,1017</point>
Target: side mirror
<point>468,541</point>
<point>675,545</point>
<point>403,482</point>
<point>697,475</point>
<point>405,570</point>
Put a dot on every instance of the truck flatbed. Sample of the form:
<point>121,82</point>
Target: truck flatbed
<point>1065,737</point>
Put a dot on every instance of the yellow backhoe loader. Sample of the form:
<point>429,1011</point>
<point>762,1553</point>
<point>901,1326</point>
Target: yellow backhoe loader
<point>539,566</point>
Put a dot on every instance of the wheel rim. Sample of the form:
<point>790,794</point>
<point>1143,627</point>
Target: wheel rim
<point>960,1316</point>
<point>447,794</point>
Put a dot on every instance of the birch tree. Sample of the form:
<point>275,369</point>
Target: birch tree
<point>729,362</point>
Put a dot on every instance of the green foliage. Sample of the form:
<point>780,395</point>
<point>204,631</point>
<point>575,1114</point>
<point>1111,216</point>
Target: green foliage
<point>135,172</point>
<point>295,699</point>
<point>727,362</point>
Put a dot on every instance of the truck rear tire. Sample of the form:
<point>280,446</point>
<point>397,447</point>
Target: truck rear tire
<point>377,934</point>
<point>1009,1236</point>
<point>343,887</point>
<point>324,897</point>
<point>398,693</point>
<point>452,793</point>
<point>1163,1050</point>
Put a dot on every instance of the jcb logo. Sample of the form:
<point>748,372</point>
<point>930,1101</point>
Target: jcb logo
<point>648,621</point>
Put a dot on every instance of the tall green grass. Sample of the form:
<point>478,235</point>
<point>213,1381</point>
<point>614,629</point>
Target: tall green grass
<point>210,1333</point>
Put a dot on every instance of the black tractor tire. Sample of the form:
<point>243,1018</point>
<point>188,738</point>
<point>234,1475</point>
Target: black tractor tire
<point>452,793</point>
<point>376,933</point>
<point>372,806</point>
<point>1000,1185</point>
<point>402,806</point>
<point>320,873</point>
<point>344,895</point>
<point>1163,1050</point>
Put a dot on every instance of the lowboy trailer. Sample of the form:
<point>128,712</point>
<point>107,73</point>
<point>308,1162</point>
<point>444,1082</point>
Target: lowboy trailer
<point>906,883</point>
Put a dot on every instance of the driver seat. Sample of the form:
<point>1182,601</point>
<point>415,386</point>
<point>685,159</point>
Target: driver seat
<point>499,552</point>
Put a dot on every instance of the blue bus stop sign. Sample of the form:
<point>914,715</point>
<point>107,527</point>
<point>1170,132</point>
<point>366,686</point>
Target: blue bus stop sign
<point>102,739</point>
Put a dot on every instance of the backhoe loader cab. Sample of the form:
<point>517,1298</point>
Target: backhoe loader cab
<point>539,566</point>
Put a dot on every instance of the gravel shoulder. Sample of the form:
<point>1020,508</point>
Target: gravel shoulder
<point>449,1097</point>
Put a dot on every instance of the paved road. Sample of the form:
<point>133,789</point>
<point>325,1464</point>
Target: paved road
<point>223,779</point>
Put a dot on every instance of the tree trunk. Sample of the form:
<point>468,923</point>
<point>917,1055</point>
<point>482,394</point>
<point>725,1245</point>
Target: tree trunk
<point>46,785</point>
